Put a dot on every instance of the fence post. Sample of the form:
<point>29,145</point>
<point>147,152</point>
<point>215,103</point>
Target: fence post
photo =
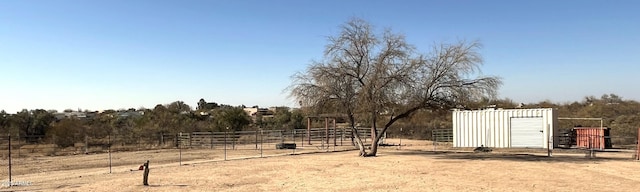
<point>293,134</point>
<point>145,177</point>
<point>400,145</point>
<point>261,141</point>
<point>225,144</point>
<point>341,136</point>
<point>326,131</point>
<point>18,136</point>
<point>334,133</point>
<point>86,144</point>
<point>549,140</point>
<point>10,184</point>
<point>638,146</point>
<point>109,149</point>
<point>309,130</point>
<point>434,138</point>
<point>180,148</point>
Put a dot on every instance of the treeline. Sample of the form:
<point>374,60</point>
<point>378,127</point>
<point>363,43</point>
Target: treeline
<point>622,116</point>
<point>42,126</point>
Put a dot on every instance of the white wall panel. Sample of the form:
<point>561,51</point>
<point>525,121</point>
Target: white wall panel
<point>492,128</point>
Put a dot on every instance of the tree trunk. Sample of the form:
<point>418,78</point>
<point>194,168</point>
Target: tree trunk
<point>374,147</point>
<point>359,143</point>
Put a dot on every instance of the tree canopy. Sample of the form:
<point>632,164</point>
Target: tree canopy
<point>382,78</point>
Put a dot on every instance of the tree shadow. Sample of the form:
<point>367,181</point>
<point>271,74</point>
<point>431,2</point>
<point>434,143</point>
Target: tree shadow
<point>176,185</point>
<point>524,157</point>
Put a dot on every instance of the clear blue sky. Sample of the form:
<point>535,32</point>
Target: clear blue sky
<point>96,55</point>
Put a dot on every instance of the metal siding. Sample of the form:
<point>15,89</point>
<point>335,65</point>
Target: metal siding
<point>492,127</point>
<point>590,137</point>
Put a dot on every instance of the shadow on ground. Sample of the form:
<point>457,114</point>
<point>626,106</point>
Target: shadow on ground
<point>460,155</point>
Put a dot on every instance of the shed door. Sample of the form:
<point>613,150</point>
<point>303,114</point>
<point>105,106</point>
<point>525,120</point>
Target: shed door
<point>527,132</point>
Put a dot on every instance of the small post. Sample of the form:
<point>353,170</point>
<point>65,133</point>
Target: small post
<point>326,131</point>
<point>18,136</point>
<point>434,135</point>
<point>335,139</point>
<point>400,146</point>
<point>109,150</point>
<point>293,136</point>
<point>637,147</point>
<point>550,140</point>
<point>341,136</point>
<point>86,144</point>
<point>309,130</point>
<point>225,144</point>
<point>261,141</point>
<point>233,140</point>
<point>180,148</point>
<point>145,178</point>
<point>10,184</point>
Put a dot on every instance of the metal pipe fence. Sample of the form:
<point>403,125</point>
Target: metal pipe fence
<point>117,153</point>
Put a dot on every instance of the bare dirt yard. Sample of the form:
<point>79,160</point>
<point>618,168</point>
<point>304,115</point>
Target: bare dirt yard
<point>414,167</point>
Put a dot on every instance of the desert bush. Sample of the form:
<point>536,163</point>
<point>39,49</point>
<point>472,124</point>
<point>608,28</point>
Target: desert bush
<point>66,132</point>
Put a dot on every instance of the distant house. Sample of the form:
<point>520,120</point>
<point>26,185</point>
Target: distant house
<point>254,112</point>
<point>125,114</point>
<point>276,109</point>
<point>70,114</point>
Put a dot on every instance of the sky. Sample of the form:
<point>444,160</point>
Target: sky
<point>120,54</point>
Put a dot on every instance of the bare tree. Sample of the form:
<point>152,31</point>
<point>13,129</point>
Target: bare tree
<point>382,78</point>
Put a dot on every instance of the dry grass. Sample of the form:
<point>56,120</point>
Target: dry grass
<point>413,168</point>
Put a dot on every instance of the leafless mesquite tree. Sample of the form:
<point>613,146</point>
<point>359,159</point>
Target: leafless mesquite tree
<point>382,78</point>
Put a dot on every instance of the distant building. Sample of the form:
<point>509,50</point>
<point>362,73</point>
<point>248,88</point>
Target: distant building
<point>70,114</point>
<point>125,114</point>
<point>254,112</point>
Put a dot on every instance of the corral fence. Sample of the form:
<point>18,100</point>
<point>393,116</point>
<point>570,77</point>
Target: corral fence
<point>127,152</point>
<point>324,137</point>
<point>316,137</point>
<point>439,136</point>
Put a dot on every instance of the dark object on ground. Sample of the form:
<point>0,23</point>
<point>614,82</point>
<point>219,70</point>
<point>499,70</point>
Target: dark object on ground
<point>482,148</point>
<point>286,146</point>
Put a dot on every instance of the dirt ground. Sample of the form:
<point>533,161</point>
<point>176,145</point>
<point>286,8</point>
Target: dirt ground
<point>412,167</point>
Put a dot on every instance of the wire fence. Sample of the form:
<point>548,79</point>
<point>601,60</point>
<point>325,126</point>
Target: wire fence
<point>126,152</point>
<point>117,153</point>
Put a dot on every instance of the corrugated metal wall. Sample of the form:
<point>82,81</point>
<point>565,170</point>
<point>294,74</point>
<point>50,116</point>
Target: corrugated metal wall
<point>590,137</point>
<point>492,127</point>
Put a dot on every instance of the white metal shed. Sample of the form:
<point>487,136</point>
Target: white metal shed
<point>505,128</point>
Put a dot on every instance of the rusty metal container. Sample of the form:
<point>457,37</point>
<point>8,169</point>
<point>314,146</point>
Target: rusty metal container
<point>592,137</point>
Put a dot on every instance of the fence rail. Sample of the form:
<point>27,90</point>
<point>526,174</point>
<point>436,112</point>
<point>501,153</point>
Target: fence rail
<point>179,147</point>
<point>167,148</point>
<point>442,135</point>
